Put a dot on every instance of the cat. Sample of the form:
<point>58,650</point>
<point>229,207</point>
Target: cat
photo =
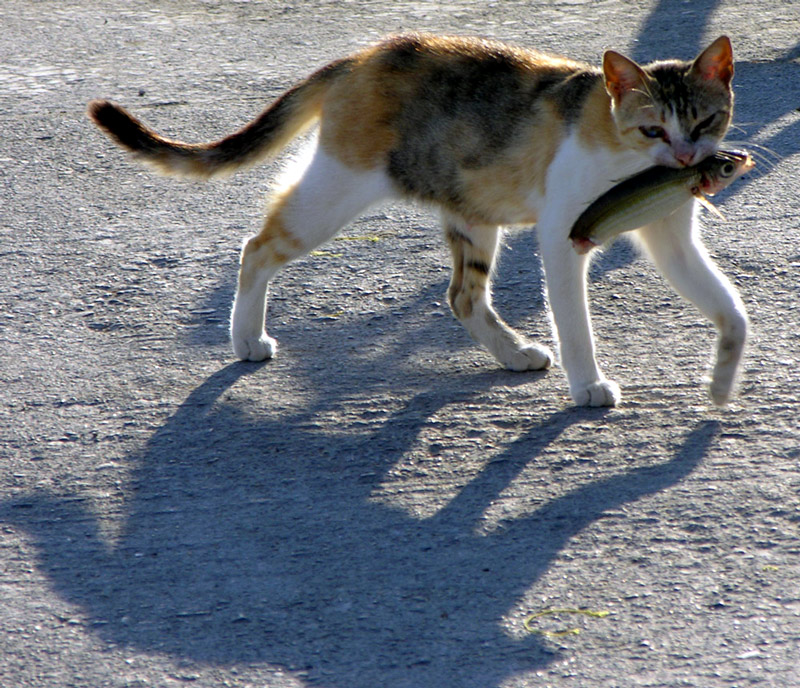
<point>494,136</point>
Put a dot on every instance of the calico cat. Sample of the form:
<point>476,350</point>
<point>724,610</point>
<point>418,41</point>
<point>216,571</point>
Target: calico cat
<point>494,136</point>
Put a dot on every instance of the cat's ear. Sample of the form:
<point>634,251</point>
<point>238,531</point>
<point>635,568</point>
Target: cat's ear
<point>622,75</point>
<point>715,62</point>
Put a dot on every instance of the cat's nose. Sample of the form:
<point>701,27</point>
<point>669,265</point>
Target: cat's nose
<point>683,151</point>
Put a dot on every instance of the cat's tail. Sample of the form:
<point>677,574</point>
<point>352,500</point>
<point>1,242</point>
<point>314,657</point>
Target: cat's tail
<point>289,116</point>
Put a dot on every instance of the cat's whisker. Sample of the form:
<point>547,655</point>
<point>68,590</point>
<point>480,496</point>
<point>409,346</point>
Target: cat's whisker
<point>778,157</point>
<point>645,92</point>
<point>738,128</point>
<point>764,155</point>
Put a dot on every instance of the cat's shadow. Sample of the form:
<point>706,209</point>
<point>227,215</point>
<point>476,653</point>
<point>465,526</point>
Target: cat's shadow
<point>260,538</point>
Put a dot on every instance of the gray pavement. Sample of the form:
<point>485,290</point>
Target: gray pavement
<point>380,506</point>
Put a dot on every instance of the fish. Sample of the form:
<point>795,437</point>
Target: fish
<point>655,193</point>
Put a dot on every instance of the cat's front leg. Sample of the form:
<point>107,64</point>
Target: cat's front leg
<point>675,247</point>
<point>565,272</point>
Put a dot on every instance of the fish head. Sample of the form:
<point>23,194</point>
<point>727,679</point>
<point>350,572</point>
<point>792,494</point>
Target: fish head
<point>723,168</point>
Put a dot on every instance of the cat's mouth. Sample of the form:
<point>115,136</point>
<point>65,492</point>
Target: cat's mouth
<point>694,155</point>
<point>686,159</point>
<point>673,162</point>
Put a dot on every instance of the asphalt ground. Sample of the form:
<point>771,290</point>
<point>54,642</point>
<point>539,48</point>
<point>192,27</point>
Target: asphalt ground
<point>380,505</point>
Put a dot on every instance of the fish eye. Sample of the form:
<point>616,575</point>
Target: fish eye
<point>728,169</point>
<point>653,132</point>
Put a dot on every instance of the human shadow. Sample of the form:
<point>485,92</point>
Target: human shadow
<point>258,538</point>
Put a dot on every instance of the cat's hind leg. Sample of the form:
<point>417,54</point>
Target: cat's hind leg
<point>473,248</point>
<point>675,247</point>
<point>315,201</point>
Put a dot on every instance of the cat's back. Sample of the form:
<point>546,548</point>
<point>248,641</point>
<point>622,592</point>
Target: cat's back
<point>462,54</point>
<point>467,55</point>
<point>462,99</point>
<point>461,69</point>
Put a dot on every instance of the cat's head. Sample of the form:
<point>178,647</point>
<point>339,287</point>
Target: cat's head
<point>674,112</point>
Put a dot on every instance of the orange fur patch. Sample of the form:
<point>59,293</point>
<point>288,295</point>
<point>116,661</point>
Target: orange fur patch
<point>274,246</point>
<point>357,115</point>
<point>597,126</point>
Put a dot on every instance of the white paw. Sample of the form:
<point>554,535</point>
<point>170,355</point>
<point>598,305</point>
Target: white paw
<point>729,352</point>
<point>601,393</point>
<point>254,348</point>
<point>529,357</point>
<point>720,391</point>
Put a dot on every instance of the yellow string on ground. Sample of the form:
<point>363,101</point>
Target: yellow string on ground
<point>553,612</point>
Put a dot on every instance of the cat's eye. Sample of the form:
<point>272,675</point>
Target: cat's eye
<point>698,130</point>
<point>654,132</point>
